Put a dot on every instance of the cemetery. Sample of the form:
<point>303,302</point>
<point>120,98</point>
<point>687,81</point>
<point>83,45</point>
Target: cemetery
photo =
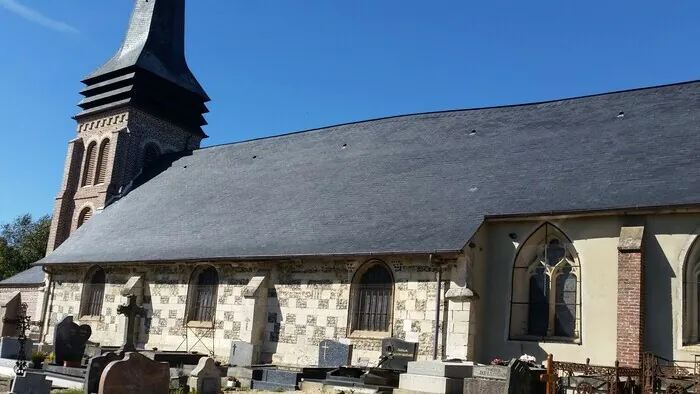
<point>79,364</point>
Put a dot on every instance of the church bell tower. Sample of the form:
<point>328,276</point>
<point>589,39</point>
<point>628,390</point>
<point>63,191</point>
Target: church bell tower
<point>141,103</point>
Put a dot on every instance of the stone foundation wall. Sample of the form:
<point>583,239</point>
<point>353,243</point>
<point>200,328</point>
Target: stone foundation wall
<point>306,302</point>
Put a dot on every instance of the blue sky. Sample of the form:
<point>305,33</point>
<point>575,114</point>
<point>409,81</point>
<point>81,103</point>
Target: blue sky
<point>273,67</point>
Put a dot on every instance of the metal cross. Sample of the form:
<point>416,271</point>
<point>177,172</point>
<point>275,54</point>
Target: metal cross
<point>233,347</point>
<point>23,322</point>
<point>130,311</point>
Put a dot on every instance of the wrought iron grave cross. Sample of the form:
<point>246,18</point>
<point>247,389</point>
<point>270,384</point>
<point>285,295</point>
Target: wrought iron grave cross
<point>23,323</point>
<point>130,311</point>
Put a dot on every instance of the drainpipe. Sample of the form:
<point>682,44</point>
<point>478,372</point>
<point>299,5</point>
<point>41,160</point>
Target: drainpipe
<point>45,306</point>
<point>437,309</point>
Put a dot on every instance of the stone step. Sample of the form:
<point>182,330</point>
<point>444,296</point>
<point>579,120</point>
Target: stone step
<point>431,384</point>
<point>441,368</point>
<point>281,377</point>
<point>259,385</point>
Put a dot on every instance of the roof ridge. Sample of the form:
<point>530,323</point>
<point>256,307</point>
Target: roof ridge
<point>454,111</point>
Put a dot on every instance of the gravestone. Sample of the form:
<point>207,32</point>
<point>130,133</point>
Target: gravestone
<point>515,378</point>
<point>9,308</point>
<point>31,383</point>
<point>242,354</point>
<point>396,354</point>
<point>135,374</point>
<point>95,367</point>
<point>92,350</point>
<point>334,354</point>
<point>69,340</point>
<point>10,348</point>
<point>206,377</point>
<point>130,311</point>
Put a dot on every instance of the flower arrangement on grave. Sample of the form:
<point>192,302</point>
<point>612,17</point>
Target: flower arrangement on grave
<point>498,361</point>
<point>50,358</point>
<point>528,359</point>
<point>38,359</point>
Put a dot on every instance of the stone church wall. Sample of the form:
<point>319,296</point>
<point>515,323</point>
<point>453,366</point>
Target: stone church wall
<point>306,302</point>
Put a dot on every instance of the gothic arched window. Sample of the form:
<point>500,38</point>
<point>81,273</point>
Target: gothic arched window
<point>546,289</point>
<point>151,152</point>
<point>203,288</point>
<point>84,216</point>
<point>90,159</point>
<point>372,298</point>
<point>93,293</point>
<point>691,296</point>
<point>102,161</point>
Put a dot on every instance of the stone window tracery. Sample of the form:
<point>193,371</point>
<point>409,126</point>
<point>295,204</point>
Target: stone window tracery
<point>372,298</point>
<point>546,289</point>
<point>93,293</point>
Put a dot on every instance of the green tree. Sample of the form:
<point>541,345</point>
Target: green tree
<point>22,242</point>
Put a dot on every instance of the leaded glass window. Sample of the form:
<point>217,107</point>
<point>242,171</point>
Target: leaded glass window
<point>546,287</point>
<point>373,299</point>
<point>204,290</point>
<point>94,293</point>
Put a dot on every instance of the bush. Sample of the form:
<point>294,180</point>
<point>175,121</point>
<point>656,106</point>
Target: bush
<point>38,357</point>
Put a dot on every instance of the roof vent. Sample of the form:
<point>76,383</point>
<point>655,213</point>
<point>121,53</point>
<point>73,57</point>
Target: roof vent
<point>621,115</point>
<point>344,146</point>
<point>472,132</point>
<point>255,157</point>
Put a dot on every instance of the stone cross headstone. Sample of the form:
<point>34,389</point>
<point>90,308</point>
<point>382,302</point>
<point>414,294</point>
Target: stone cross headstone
<point>95,367</point>
<point>135,374</point>
<point>396,354</point>
<point>243,354</point>
<point>206,377</point>
<point>130,311</point>
<point>69,340</point>
<point>515,378</point>
<point>334,354</point>
<point>31,383</point>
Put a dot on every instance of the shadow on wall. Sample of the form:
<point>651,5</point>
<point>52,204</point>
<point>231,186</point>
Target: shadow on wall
<point>147,319</point>
<point>658,298</point>
<point>272,330</point>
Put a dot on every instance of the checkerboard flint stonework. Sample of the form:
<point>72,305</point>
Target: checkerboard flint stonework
<point>307,302</point>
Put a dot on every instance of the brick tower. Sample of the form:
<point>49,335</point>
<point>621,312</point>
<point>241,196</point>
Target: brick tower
<point>142,102</point>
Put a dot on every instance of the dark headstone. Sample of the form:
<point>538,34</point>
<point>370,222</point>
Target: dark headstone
<point>333,354</point>
<point>515,378</point>
<point>31,382</point>
<point>10,348</point>
<point>397,353</point>
<point>242,354</point>
<point>95,367</point>
<point>69,340</point>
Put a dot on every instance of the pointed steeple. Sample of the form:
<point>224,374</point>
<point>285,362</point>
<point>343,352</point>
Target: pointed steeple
<point>149,71</point>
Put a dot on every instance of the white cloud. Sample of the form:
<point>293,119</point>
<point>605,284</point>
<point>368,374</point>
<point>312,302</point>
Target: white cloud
<point>37,17</point>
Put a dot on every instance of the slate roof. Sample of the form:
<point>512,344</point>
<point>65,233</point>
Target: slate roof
<point>32,276</point>
<point>415,183</point>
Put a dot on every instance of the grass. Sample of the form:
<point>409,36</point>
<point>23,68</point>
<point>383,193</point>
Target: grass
<point>70,391</point>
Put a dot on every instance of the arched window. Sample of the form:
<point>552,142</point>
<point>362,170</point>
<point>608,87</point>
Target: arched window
<point>372,298</point>
<point>93,292</point>
<point>102,161</point>
<point>150,153</point>
<point>90,159</point>
<point>546,292</point>
<point>691,296</point>
<point>84,216</point>
<point>203,288</point>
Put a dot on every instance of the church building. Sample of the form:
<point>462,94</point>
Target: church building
<point>566,227</point>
